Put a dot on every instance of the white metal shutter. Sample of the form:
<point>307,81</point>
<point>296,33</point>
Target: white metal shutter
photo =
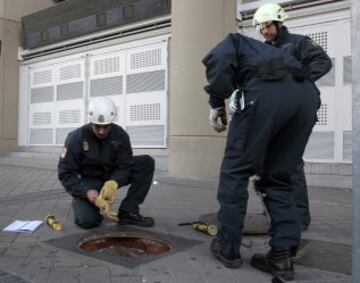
<point>146,89</point>
<point>331,138</point>
<point>133,75</point>
<point>41,110</point>
<point>69,106</point>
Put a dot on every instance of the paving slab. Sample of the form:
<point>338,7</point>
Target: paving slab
<point>28,193</point>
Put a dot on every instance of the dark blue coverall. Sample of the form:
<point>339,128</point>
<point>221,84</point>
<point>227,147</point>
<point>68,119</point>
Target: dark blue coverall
<point>317,63</point>
<point>87,162</point>
<point>267,137</point>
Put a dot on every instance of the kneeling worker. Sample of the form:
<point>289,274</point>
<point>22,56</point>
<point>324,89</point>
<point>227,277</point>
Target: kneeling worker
<point>96,160</point>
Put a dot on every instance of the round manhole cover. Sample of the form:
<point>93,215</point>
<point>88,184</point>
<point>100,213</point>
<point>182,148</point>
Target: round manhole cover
<point>125,244</point>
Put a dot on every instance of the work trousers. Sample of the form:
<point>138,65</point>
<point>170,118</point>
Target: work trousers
<point>268,138</point>
<point>298,181</point>
<point>87,215</point>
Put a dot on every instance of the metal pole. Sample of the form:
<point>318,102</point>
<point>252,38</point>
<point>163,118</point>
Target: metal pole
<point>355,42</point>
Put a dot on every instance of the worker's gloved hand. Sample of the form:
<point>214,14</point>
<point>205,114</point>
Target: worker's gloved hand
<point>112,215</point>
<point>102,204</point>
<point>105,209</point>
<point>215,116</point>
<point>108,191</point>
<point>233,101</point>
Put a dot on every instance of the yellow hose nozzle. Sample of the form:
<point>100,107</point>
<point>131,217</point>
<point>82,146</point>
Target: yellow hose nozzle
<point>53,223</point>
<point>209,229</point>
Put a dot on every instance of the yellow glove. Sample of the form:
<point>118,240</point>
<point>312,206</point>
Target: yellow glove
<point>108,191</point>
<point>105,209</point>
<point>112,215</point>
<point>102,204</point>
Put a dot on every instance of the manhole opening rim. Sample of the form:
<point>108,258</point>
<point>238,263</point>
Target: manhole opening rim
<point>125,235</point>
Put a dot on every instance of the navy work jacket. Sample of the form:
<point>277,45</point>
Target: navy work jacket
<point>306,50</point>
<point>86,159</point>
<point>233,64</point>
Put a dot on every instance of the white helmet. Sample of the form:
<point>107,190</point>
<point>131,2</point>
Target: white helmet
<point>268,13</point>
<point>101,111</point>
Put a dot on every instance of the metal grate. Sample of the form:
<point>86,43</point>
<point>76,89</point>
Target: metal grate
<point>69,116</point>
<point>42,77</point>
<point>320,38</point>
<point>322,115</point>
<point>320,146</point>
<point>145,82</point>
<point>145,112</point>
<point>347,70</point>
<point>41,118</point>
<point>145,59</point>
<point>61,134</point>
<point>42,94</point>
<point>70,91</point>
<point>107,86</point>
<point>147,135</point>
<point>70,72</point>
<point>106,66</point>
<point>41,136</point>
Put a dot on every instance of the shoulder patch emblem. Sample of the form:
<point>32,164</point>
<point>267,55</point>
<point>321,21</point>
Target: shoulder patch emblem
<point>85,145</point>
<point>63,152</point>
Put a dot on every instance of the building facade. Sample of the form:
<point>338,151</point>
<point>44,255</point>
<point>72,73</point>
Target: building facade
<point>150,65</point>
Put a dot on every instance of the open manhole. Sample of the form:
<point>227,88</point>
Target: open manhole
<point>132,246</point>
<point>126,245</point>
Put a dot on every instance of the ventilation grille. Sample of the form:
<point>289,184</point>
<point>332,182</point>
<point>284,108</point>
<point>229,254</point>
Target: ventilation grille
<point>69,116</point>
<point>70,72</point>
<point>320,38</point>
<point>145,112</point>
<point>146,135</point>
<point>347,70</point>
<point>70,91</point>
<point>61,134</point>
<point>41,136</point>
<point>42,94</point>
<point>322,115</point>
<point>41,118</point>
<point>329,78</point>
<point>320,146</point>
<point>42,77</point>
<point>106,66</point>
<point>107,86</point>
<point>144,82</point>
<point>347,146</point>
<point>145,59</point>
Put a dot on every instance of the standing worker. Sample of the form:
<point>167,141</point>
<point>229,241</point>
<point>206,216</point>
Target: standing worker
<point>268,20</point>
<point>96,160</point>
<point>267,136</point>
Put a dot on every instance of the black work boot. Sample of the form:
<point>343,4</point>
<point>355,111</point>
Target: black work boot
<point>230,261</point>
<point>136,219</point>
<point>276,262</point>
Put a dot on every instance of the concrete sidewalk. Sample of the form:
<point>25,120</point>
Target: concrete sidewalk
<point>32,193</point>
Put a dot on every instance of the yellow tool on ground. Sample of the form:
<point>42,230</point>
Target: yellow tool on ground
<point>53,222</point>
<point>209,229</point>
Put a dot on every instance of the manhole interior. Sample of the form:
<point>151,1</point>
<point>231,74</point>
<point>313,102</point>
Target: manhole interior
<point>132,246</point>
